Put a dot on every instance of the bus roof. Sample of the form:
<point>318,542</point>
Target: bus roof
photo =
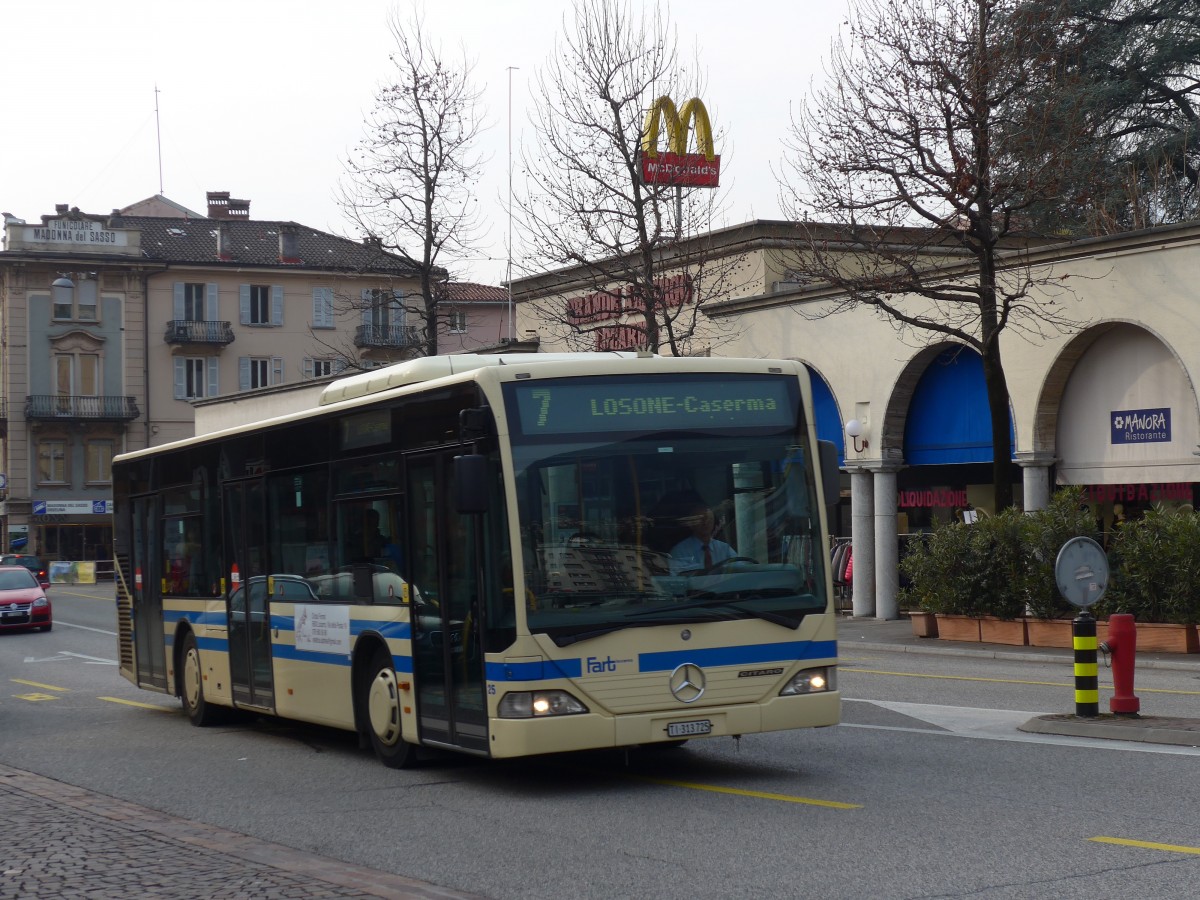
<point>428,368</point>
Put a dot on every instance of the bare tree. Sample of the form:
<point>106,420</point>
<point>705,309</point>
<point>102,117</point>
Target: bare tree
<point>932,144</point>
<point>585,205</point>
<point>410,182</point>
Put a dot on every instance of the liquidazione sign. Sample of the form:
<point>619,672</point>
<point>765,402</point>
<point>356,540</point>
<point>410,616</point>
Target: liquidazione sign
<point>1141,426</point>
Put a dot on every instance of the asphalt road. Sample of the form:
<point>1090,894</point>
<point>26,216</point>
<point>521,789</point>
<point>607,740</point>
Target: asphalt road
<point>927,789</point>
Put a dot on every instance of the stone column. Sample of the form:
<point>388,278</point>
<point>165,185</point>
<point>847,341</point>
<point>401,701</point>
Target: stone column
<point>863,539</point>
<point>887,545</point>
<point>1035,478</point>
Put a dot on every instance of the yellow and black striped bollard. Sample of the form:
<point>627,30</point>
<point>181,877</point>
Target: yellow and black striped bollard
<point>1087,674</point>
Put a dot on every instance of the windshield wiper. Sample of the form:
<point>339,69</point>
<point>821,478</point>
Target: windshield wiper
<point>712,602</point>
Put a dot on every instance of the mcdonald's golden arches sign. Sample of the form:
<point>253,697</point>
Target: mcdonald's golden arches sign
<point>675,166</point>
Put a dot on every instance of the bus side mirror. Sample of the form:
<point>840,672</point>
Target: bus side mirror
<point>470,483</point>
<point>827,453</point>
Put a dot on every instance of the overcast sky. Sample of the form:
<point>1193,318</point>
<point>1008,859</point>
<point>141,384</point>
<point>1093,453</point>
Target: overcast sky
<point>263,98</point>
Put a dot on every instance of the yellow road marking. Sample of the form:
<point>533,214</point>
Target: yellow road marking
<point>45,687</point>
<point>1139,690</point>
<point>135,703</point>
<point>1147,845</point>
<point>760,795</point>
<point>35,698</point>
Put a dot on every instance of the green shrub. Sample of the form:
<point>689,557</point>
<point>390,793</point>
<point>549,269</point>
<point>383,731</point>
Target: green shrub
<point>998,566</point>
<point>1048,529</point>
<point>1154,568</point>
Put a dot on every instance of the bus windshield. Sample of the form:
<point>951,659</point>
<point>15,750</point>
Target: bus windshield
<point>627,522</point>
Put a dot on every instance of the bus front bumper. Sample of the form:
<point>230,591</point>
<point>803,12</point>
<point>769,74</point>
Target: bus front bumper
<point>591,731</point>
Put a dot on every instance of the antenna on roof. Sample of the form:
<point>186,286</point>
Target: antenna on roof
<point>508,273</point>
<point>158,132</point>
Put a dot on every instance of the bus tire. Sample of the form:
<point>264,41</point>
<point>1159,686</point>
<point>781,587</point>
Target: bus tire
<point>199,712</point>
<point>381,714</point>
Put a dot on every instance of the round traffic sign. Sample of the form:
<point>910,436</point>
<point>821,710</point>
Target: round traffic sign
<point>1081,571</point>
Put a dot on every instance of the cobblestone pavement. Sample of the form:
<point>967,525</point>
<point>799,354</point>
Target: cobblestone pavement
<point>62,841</point>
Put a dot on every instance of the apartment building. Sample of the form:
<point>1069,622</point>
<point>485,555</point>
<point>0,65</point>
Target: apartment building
<point>112,326</point>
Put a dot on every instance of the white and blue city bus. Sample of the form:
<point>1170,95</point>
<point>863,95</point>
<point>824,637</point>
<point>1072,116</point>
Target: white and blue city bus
<point>496,555</point>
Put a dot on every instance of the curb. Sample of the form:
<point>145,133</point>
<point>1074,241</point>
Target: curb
<point>1015,656</point>
<point>1147,730</point>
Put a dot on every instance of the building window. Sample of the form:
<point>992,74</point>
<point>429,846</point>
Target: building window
<point>261,304</point>
<point>78,303</point>
<point>77,374</point>
<point>259,371</point>
<point>383,310</point>
<point>458,322</point>
<point>52,462</point>
<point>195,377</point>
<point>323,367</point>
<point>99,462</point>
<point>193,303</point>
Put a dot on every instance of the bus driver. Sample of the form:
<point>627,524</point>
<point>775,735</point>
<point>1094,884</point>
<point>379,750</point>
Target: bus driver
<point>699,550</point>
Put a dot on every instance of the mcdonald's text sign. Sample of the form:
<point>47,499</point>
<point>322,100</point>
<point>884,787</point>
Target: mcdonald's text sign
<point>681,169</point>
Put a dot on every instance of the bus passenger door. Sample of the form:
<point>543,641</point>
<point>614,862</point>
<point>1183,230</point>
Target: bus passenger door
<point>149,638</point>
<point>447,652</point>
<point>246,596</point>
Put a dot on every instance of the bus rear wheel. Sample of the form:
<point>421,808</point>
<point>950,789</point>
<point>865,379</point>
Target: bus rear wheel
<point>197,708</point>
<point>381,713</point>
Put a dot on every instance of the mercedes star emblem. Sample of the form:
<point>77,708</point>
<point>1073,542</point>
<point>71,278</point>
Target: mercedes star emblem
<point>687,683</point>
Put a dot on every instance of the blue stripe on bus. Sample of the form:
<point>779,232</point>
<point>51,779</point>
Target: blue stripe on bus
<point>541,670</point>
<point>400,631</point>
<point>174,616</point>
<point>790,651</point>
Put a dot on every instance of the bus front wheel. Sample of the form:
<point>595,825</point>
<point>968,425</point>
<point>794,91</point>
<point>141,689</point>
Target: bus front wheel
<point>192,693</point>
<point>381,705</point>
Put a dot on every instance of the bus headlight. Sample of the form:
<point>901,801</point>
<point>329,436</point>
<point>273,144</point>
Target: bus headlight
<point>535,704</point>
<point>811,681</point>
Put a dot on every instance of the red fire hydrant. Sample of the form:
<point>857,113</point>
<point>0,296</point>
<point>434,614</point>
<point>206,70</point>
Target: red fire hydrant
<point>1122,647</point>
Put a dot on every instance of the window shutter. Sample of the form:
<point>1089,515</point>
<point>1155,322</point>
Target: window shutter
<point>244,301</point>
<point>180,378</point>
<point>214,388</point>
<point>243,373</point>
<point>308,367</point>
<point>178,300</point>
<point>366,306</point>
<point>339,365</point>
<point>276,370</point>
<point>322,307</point>
<point>277,304</point>
<point>211,306</point>
<point>396,319</point>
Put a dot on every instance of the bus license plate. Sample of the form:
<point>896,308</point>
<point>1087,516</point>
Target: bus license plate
<point>684,729</point>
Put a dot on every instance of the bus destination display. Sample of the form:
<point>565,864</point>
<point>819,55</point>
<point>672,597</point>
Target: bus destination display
<point>583,406</point>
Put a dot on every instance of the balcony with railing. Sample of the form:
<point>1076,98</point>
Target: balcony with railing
<point>59,407</point>
<point>387,336</point>
<point>192,331</point>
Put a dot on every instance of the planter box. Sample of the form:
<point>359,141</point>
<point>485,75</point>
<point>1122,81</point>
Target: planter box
<point>1002,631</point>
<point>958,628</point>
<point>1159,637</point>
<point>924,624</point>
<point>1050,633</point>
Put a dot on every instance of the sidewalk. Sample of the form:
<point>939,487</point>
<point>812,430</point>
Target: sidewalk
<point>64,842</point>
<point>896,636</point>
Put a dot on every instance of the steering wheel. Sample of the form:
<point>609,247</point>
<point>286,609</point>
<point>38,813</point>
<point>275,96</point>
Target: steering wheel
<point>718,567</point>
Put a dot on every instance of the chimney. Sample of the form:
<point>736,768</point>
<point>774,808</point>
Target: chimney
<point>224,242</point>
<point>289,244</point>
<point>222,206</point>
<point>60,209</point>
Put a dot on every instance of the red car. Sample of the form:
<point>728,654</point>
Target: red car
<point>23,602</point>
